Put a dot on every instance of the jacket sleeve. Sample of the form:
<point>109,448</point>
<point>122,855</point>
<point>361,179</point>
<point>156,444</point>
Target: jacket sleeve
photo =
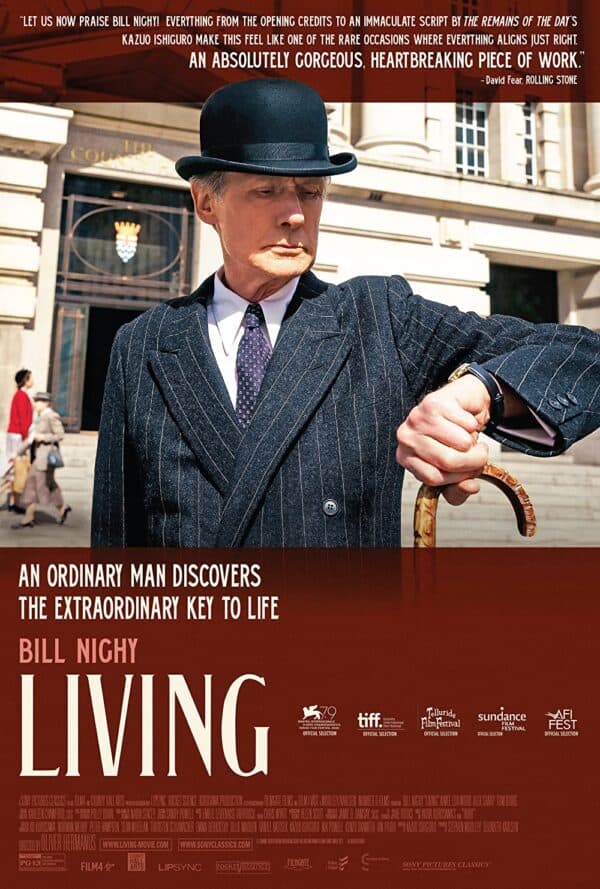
<point>117,507</point>
<point>24,413</point>
<point>554,368</point>
<point>57,430</point>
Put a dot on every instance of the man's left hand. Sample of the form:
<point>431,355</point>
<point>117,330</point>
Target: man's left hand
<point>438,441</point>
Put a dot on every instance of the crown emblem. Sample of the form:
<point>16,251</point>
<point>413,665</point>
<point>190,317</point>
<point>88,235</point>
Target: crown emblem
<point>126,239</point>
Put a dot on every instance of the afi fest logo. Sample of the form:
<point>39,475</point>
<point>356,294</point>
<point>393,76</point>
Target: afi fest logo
<point>561,723</point>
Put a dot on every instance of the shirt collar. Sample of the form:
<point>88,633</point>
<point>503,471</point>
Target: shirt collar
<point>229,308</point>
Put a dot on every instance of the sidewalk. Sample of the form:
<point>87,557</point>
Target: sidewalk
<point>76,480</point>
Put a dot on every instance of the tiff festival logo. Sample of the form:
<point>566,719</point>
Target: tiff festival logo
<point>369,720</point>
<point>379,725</point>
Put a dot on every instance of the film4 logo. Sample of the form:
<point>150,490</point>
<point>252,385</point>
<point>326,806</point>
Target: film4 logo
<point>96,867</point>
<point>561,724</point>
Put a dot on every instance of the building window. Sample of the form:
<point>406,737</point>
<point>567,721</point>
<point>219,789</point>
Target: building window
<point>530,142</point>
<point>471,136</point>
<point>524,292</point>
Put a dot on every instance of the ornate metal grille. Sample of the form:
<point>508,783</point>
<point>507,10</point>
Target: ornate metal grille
<point>124,254</point>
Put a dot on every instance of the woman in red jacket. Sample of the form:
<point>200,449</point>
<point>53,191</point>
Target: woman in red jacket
<point>20,418</point>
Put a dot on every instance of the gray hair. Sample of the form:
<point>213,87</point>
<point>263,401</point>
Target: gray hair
<point>214,181</point>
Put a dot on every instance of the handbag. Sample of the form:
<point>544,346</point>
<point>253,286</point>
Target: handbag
<point>54,458</point>
<point>21,467</point>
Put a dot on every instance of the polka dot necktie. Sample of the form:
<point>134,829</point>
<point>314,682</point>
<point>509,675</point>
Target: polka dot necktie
<point>253,356</point>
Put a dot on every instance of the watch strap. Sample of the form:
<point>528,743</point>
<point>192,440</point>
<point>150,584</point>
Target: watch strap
<point>491,384</point>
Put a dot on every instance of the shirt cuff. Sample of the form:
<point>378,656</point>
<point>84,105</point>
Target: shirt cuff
<point>531,428</point>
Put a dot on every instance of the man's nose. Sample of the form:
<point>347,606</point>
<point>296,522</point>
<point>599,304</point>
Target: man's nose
<point>292,213</point>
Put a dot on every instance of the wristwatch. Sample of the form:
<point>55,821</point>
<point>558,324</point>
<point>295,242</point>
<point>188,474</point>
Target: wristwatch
<point>491,384</point>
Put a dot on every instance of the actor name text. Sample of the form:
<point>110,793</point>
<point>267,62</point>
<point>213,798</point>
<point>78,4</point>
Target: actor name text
<point>88,650</point>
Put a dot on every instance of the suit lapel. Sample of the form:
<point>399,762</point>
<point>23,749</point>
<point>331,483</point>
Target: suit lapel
<point>307,358</point>
<point>193,389</point>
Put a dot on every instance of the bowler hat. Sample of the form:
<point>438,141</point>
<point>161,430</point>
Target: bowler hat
<point>42,396</point>
<point>277,127</point>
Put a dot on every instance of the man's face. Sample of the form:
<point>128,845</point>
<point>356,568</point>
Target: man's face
<point>268,227</point>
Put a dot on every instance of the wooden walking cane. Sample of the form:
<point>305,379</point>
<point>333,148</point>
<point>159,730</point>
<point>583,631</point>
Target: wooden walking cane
<point>428,496</point>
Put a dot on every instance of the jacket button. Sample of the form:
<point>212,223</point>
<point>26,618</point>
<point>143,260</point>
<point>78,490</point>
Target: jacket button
<point>330,507</point>
<point>554,403</point>
<point>572,398</point>
<point>564,401</point>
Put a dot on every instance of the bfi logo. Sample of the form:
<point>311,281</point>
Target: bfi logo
<point>369,720</point>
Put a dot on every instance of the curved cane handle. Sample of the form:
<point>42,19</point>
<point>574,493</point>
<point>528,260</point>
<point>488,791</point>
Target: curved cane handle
<point>427,501</point>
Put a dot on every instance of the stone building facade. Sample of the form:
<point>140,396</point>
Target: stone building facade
<point>469,201</point>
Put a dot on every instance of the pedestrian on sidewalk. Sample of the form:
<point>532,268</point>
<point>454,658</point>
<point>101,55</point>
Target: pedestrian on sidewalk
<point>41,489</point>
<point>19,424</point>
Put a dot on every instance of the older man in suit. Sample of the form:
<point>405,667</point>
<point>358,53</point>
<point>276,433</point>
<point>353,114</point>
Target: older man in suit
<point>272,409</point>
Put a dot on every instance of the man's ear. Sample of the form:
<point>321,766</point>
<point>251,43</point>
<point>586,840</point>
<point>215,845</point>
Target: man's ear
<point>204,203</point>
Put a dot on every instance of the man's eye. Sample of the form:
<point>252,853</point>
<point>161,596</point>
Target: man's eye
<point>312,193</point>
<point>264,191</point>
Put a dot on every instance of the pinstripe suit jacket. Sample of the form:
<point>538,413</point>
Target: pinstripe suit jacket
<point>175,469</point>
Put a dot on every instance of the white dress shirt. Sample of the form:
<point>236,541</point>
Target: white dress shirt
<point>225,325</point>
<point>226,328</point>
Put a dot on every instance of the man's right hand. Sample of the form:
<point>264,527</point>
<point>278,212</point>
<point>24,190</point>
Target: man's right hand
<point>438,441</point>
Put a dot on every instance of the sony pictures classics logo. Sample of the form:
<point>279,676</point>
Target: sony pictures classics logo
<point>561,724</point>
<point>440,723</point>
